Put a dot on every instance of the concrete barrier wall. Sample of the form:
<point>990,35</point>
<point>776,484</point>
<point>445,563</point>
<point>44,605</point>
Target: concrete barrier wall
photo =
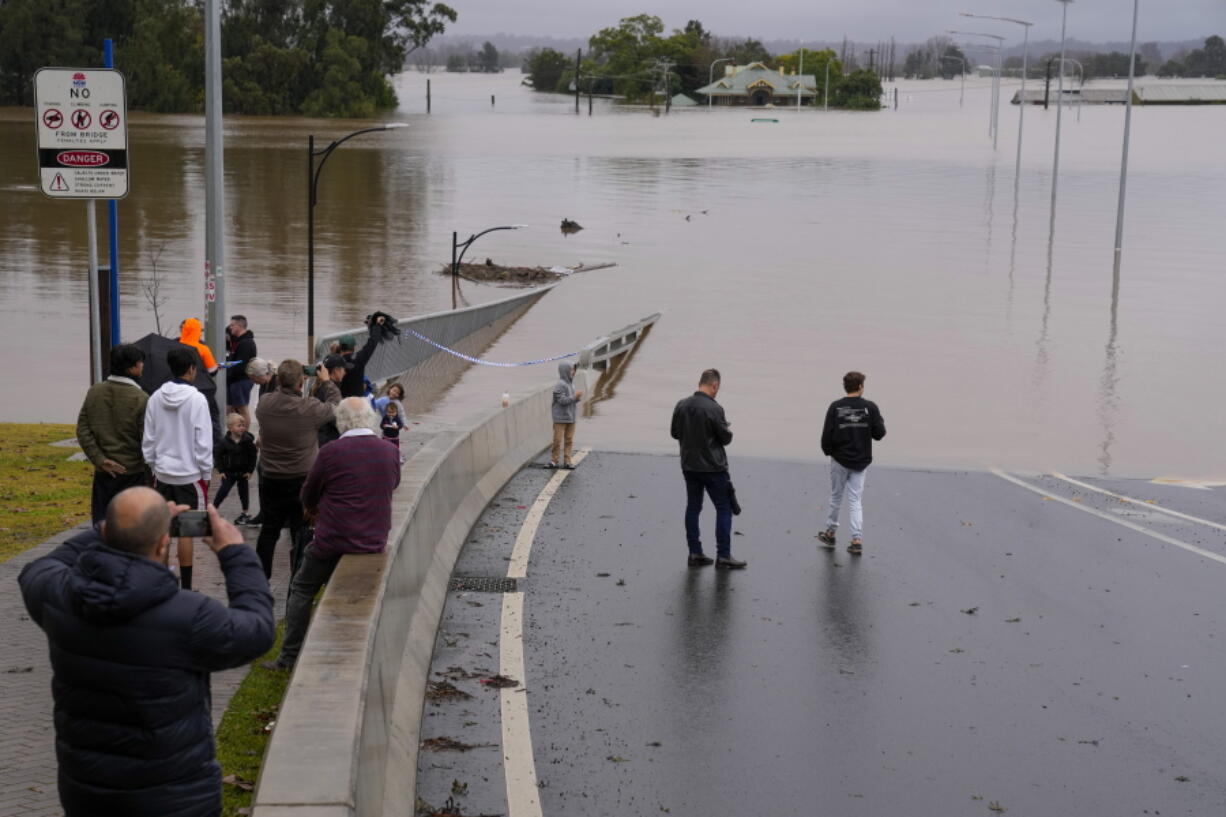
<point>347,736</point>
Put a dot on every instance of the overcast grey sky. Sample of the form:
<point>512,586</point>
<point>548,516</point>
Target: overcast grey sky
<point>863,20</point>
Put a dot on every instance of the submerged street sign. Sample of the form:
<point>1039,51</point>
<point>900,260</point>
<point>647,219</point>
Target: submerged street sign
<point>82,120</point>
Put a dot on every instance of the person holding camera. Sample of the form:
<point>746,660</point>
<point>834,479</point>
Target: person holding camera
<point>354,382</point>
<point>132,653</point>
<point>289,425</point>
<point>178,444</point>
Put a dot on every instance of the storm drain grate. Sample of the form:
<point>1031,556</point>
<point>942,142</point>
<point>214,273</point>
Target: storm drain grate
<point>483,584</point>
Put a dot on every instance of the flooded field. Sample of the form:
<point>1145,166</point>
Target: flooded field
<point>784,253</point>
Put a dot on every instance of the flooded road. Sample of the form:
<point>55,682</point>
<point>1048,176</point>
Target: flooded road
<point>783,253</point>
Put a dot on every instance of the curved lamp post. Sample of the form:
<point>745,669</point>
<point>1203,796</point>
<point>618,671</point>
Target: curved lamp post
<point>711,76</point>
<point>463,246</point>
<point>313,170</point>
<point>1021,109</point>
<point>995,113</point>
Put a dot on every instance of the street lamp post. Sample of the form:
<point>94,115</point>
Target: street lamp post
<point>313,171</point>
<point>962,88</point>
<point>826,94</point>
<point>1055,162</point>
<point>1081,82</point>
<point>462,247</point>
<point>711,76</point>
<point>1119,213</point>
<point>1021,108</point>
<point>993,119</point>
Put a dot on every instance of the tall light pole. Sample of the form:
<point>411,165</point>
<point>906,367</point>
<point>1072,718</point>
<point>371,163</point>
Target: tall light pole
<point>313,171</point>
<point>214,198</point>
<point>800,77</point>
<point>711,76</point>
<point>1055,162</point>
<point>826,95</point>
<point>1119,213</point>
<point>1021,108</point>
<point>1081,82</point>
<point>962,88</point>
<point>995,112</point>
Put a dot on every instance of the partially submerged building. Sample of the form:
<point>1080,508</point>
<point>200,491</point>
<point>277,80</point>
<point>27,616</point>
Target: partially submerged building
<point>755,84</point>
<point>1144,92</point>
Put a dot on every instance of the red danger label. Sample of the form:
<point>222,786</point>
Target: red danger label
<point>82,158</point>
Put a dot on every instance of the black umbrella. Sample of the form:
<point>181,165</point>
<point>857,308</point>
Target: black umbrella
<point>157,372</point>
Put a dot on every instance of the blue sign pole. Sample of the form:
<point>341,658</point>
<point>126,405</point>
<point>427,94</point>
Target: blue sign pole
<point>112,211</point>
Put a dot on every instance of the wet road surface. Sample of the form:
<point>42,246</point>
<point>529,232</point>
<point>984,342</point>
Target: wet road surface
<point>994,647</point>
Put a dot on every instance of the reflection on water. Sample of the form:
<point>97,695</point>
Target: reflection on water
<point>821,243</point>
<point>1108,388</point>
<point>845,617</point>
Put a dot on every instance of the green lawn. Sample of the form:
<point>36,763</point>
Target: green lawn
<point>245,729</point>
<point>41,493</point>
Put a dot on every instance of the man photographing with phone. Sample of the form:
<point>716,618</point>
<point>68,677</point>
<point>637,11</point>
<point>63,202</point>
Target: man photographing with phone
<point>132,653</point>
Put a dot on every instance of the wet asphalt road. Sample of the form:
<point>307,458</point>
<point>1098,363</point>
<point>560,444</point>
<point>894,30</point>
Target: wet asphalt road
<point>1087,679</point>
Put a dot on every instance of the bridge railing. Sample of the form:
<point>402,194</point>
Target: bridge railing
<point>598,353</point>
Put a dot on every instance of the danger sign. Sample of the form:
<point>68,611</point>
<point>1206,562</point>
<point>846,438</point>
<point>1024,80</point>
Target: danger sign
<point>82,133</point>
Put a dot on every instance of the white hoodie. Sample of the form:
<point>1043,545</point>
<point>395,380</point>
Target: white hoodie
<point>178,443</point>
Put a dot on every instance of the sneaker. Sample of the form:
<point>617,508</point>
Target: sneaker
<point>827,538</point>
<point>856,547</point>
<point>256,520</point>
<point>728,563</point>
<point>242,519</point>
<point>551,464</point>
<point>699,560</point>
<point>570,466</point>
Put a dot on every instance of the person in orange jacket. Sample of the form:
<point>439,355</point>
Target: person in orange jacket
<point>190,332</point>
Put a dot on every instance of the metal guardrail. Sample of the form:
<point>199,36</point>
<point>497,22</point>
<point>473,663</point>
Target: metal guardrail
<point>393,357</point>
<point>598,353</point>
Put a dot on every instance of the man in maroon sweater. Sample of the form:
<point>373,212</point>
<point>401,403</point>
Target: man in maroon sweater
<point>349,489</point>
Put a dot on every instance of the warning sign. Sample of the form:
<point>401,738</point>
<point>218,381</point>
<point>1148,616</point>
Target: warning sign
<point>82,134</point>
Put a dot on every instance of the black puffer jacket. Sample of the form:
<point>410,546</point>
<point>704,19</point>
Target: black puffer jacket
<point>131,655</point>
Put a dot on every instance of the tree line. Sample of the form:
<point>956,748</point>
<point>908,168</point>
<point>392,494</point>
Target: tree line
<point>637,61</point>
<point>312,57</point>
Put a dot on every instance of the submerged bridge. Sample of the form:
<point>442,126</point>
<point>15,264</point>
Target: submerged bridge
<point>534,644</point>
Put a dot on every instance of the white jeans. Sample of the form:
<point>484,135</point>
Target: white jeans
<point>844,479</point>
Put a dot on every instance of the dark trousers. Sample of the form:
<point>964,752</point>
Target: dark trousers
<point>312,574</point>
<point>228,481</point>
<point>106,487</point>
<point>280,505</point>
<point>716,485</point>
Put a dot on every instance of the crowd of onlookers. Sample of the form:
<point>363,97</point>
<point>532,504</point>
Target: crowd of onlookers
<point>131,646</point>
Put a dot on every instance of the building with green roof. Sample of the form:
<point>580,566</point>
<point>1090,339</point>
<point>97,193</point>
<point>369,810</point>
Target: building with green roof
<point>755,84</point>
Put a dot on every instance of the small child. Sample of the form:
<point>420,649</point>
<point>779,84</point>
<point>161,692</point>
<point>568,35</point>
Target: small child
<point>235,458</point>
<point>391,424</point>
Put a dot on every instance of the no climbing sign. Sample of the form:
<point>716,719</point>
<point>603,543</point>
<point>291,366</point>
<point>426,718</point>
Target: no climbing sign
<point>82,133</point>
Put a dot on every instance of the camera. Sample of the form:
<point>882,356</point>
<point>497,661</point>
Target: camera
<point>191,523</point>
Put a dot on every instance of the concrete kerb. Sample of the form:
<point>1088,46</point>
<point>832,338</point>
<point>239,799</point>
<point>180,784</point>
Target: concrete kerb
<point>347,736</point>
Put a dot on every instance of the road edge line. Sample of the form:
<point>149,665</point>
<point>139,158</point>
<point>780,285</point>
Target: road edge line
<point>1208,554</point>
<point>1141,502</point>
<point>517,568</point>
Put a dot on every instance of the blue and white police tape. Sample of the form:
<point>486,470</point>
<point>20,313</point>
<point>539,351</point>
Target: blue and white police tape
<point>471,359</point>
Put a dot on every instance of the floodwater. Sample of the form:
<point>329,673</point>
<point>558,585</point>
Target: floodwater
<point>897,243</point>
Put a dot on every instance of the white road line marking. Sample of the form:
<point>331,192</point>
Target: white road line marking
<point>518,568</point>
<point>1208,554</point>
<point>1148,505</point>
<point>518,761</point>
<point>523,796</point>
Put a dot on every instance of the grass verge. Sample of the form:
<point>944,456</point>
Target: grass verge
<point>41,493</point>
<point>245,729</point>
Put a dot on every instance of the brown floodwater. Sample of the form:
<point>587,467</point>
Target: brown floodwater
<point>784,253</point>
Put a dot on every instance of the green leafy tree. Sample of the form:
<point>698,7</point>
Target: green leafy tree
<point>268,81</point>
<point>163,58</point>
<point>347,88</point>
<point>1209,61</point>
<point>860,90</point>
<point>487,59</point>
<point>545,68</point>
<point>1172,68</point>
<point>815,63</point>
<point>626,52</point>
<point>34,33</point>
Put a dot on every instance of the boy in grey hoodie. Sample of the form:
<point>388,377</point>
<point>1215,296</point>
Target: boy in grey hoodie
<point>565,398</point>
<point>178,444</point>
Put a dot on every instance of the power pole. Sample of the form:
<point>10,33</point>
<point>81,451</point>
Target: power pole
<point>578,59</point>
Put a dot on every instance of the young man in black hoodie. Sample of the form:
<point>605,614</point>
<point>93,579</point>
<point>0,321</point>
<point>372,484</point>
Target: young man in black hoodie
<point>852,424</point>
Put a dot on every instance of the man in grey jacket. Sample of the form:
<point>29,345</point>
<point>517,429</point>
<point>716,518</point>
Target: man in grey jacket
<point>565,398</point>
